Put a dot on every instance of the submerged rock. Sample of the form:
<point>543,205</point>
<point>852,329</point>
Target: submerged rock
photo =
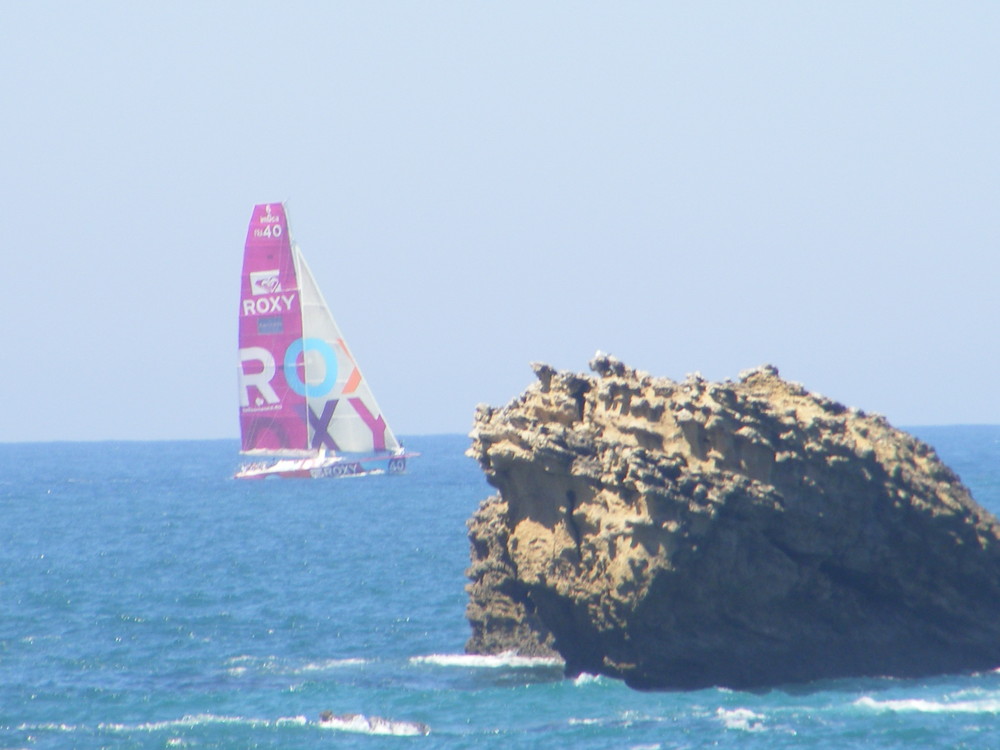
<point>744,534</point>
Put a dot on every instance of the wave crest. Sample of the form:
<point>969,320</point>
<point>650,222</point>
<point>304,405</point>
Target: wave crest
<point>921,705</point>
<point>372,725</point>
<point>742,719</point>
<point>190,720</point>
<point>491,661</point>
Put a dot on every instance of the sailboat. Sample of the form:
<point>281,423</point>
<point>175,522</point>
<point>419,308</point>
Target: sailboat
<point>306,410</point>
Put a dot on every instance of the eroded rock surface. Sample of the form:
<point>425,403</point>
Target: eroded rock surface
<point>750,533</point>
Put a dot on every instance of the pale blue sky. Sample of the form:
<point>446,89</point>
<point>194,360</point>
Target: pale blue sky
<point>690,186</point>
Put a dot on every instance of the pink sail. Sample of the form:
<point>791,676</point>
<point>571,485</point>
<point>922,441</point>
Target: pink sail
<point>272,411</point>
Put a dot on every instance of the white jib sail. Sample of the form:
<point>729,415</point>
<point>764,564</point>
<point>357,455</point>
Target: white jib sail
<point>343,414</point>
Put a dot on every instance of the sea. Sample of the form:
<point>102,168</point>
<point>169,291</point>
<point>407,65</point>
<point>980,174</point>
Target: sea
<point>148,600</point>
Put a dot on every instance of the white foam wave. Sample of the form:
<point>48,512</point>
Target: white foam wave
<point>188,721</point>
<point>495,661</point>
<point>50,726</point>
<point>206,719</point>
<point>585,678</point>
<point>362,724</point>
<point>742,719</point>
<point>248,659</point>
<point>322,666</point>
<point>240,665</point>
<point>920,705</point>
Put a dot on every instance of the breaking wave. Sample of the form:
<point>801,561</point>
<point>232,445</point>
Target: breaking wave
<point>742,719</point>
<point>373,725</point>
<point>322,666</point>
<point>921,705</point>
<point>240,665</point>
<point>494,661</point>
<point>194,720</point>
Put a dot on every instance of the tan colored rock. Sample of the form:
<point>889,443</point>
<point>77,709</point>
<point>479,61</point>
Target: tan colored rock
<point>746,533</point>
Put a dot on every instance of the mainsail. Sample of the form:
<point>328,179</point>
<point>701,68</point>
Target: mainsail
<point>301,391</point>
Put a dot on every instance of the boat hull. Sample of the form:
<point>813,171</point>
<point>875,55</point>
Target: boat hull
<point>327,467</point>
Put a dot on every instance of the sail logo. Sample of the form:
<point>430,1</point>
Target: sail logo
<point>257,394</point>
<point>314,354</point>
<point>279,303</point>
<point>271,228</point>
<point>265,282</point>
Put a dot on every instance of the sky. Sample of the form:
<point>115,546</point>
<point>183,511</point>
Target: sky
<point>690,186</point>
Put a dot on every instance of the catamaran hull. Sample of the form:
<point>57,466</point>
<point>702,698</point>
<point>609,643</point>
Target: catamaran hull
<point>336,467</point>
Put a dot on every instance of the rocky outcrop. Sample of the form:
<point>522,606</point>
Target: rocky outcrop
<point>750,533</point>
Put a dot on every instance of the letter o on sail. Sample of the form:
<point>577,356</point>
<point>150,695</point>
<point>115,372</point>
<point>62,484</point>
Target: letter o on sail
<point>305,388</point>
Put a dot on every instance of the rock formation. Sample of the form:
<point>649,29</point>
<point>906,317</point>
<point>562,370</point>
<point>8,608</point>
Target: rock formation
<point>745,534</point>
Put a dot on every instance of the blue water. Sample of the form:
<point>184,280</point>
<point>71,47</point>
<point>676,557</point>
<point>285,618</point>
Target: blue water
<point>147,600</point>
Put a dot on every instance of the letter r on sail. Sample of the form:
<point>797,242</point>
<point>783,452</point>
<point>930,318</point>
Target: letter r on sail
<point>259,380</point>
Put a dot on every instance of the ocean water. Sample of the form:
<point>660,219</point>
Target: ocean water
<point>147,600</point>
